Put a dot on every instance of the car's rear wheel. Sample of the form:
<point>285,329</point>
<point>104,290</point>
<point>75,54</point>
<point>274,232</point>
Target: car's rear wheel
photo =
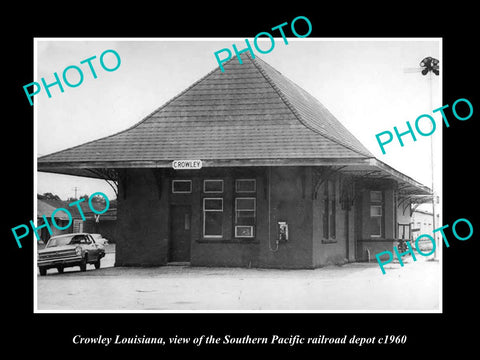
<point>43,271</point>
<point>97,264</point>
<point>83,264</point>
<point>60,269</point>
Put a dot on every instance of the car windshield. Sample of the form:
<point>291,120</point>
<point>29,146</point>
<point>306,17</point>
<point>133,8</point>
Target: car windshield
<point>66,240</point>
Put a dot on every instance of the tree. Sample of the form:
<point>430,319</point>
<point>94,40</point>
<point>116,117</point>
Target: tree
<point>48,196</point>
<point>98,202</point>
<point>72,199</point>
<point>98,199</point>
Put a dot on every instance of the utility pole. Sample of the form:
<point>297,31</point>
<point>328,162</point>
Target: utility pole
<point>75,188</point>
<point>431,65</point>
<point>428,66</point>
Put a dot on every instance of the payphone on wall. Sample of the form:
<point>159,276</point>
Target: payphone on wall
<point>282,227</point>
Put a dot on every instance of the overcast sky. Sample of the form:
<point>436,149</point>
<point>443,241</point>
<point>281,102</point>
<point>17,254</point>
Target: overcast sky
<point>367,84</point>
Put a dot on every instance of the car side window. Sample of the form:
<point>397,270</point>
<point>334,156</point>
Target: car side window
<point>75,240</point>
<point>82,240</point>
<point>90,237</point>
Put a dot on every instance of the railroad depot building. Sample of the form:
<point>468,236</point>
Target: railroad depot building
<point>265,176</point>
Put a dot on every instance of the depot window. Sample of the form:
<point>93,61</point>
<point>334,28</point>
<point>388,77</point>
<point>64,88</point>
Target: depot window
<point>213,217</point>
<point>212,186</point>
<point>245,214</point>
<point>181,186</point>
<point>376,214</point>
<point>245,186</point>
<point>404,231</point>
<point>329,210</point>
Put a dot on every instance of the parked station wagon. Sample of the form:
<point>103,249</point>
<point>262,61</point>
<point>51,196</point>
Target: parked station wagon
<point>77,249</point>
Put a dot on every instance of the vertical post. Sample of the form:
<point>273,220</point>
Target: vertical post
<point>347,230</point>
<point>433,174</point>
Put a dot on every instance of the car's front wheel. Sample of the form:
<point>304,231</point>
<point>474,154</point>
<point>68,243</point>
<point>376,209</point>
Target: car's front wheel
<point>43,271</point>
<point>83,264</point>
<point>60,269</point>
<point>97,264</point>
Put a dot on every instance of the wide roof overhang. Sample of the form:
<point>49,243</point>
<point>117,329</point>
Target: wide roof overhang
<point>367,168</point>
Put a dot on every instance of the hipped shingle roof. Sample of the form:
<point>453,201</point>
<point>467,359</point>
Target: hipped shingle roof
<point>249,111</point>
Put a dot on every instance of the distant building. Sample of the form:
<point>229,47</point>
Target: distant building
<point>283,183</point>
<point>46,207</point>
<point>421,223</point>
<point>102,224</point>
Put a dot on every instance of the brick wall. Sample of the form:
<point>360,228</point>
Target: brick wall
<point>142,220</point>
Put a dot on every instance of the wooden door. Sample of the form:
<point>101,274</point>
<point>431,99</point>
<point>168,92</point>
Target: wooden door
<point>180,233</point>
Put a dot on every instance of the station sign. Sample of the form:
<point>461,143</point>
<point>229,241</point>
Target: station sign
<point>187,164</point>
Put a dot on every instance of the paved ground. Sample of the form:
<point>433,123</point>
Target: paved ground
<point>355,286</point>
